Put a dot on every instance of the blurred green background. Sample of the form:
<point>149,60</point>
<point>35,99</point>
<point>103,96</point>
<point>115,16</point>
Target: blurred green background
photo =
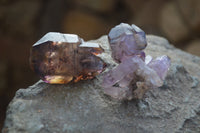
<point>23,22</point>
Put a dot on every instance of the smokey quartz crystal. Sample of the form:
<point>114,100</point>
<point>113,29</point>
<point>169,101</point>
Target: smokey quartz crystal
<point>60,58</point>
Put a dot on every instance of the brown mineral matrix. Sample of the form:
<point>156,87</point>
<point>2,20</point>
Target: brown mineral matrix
<point>60,58</point>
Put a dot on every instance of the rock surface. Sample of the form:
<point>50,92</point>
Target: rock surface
<point>82,107</point>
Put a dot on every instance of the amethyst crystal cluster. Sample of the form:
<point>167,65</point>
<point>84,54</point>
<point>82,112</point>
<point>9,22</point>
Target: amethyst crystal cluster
<point>60,58</point>
<point>136,73</point>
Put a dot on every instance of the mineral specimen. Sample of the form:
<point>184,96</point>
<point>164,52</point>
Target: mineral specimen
<point>60,58</point>
<point>135,73</point>
<point>126,41</point>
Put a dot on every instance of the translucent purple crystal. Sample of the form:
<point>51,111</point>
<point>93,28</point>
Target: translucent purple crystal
<point>136,73</point>
<point>126,41</point>
<point>160,65</point>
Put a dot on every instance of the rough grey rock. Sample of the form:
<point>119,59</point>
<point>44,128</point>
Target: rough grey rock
<point>82,107</point>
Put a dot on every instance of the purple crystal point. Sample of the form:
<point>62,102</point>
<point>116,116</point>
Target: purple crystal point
<point>60,58</point>
<point>134,70</point>
<point>126,40</point>
<point>160,65</point>
<point>118,73</point>
<point>149,75</point>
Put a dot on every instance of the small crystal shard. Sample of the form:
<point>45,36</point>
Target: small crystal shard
<point>60,58</point>
<point>136,73</point>
<point>160,65</point>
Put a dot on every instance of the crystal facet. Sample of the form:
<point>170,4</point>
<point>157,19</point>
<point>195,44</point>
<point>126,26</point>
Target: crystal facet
<point>135,73</point>
<point>126,41</point>
<point>60,58</point>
